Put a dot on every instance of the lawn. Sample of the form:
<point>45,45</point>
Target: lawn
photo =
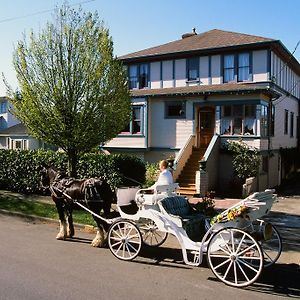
<point>41,209</point>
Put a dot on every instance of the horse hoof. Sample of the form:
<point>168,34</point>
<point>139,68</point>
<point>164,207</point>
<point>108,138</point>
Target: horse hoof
<point>60,237</point>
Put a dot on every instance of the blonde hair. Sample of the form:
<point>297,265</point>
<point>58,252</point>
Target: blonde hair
<point>163,164</point>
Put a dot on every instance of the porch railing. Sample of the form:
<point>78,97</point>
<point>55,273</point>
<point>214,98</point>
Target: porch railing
<point>183,156</point>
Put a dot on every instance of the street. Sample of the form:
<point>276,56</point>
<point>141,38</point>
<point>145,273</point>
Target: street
<point>35,266</point>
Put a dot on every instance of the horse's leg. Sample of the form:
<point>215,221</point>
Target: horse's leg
<point>70,225</point>
<point>62,221</point>
<point>101,236</point>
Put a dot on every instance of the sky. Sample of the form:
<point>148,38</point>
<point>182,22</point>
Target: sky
<point>139,24</point>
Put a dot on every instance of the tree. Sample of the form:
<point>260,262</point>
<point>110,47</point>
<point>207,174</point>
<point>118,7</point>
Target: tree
<point>72,90</point>
<point>245,161</point>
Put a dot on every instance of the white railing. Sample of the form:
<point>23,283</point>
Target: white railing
<point>183,156</point>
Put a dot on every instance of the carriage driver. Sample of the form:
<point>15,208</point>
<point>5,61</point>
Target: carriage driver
<point>165,176</point>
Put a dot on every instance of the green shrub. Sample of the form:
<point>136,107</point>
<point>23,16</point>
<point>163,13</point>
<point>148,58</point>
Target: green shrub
<point>152,173</point>
<point>20,170</point>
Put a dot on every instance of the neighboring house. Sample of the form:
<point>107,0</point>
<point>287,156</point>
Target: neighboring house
<point>13,134</point>
<point>6,118</point>
<point>192,95</point>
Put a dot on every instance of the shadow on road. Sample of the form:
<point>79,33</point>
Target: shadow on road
<point>279,279</point>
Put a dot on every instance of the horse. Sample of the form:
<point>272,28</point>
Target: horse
<point>95,194</point>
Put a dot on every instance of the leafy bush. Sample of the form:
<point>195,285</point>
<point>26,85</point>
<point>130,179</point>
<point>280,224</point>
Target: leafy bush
<point>245,161</point>
<point>152,173</point>
<point>20,170</point>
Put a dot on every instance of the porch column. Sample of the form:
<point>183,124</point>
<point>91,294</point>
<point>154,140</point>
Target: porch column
<point>202,179</point>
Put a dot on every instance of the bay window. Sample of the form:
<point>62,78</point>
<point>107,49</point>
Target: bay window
<point>238,120</point>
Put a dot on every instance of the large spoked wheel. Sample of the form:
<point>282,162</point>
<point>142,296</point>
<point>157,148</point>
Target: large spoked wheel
<point>270,240</point>
<point>235,257</point>
<point>124,240</point>
<point>151,235</point>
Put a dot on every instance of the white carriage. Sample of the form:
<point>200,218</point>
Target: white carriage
<point>237,247</point>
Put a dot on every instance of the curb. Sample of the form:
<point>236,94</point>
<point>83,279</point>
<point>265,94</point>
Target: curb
<point>86,228</point>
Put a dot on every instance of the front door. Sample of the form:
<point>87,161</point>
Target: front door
<point>205,126</point>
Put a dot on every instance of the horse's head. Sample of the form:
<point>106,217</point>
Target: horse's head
<point>47,177</point>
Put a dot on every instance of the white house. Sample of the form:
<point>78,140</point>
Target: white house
<point>191,95</point>
<point>13,134</point>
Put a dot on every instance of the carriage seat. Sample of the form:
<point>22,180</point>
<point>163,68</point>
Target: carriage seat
<point>192,221</point>
<point>150,196</point>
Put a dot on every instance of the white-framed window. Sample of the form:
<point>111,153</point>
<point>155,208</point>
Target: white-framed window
<point>238,119</point>
<point>18,144</point>
<point>135,126</point>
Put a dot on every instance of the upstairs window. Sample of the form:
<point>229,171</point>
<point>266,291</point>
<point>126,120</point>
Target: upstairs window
<point>228,68</point>
<point>3,107</point>
<point>133,77</point>
<point>236,67</point>
<point>193,69</point>
<point>243,67</point>
<point>138,76</point>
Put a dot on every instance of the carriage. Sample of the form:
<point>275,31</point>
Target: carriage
<point>237,243</point>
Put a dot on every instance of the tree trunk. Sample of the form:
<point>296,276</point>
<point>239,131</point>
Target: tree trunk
<point>72,162</point>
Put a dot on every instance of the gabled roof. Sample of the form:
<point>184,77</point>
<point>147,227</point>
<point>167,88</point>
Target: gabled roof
<point>18,129</point>
<point>212,39</point>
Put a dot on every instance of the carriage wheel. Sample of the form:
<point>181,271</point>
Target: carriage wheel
<point>151,235</point>
<point>270,240</point>
<point>124,240</point>
<point>235,257</point>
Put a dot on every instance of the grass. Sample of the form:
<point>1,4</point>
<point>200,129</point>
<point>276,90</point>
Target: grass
<point>39,209</point>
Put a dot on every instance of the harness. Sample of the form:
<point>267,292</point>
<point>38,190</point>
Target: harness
<point>89,188</point>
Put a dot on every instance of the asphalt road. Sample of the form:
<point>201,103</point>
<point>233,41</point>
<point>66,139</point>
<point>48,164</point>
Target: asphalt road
<point>33,265</point>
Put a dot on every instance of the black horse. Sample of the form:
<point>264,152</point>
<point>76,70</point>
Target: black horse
<point>93,193</point>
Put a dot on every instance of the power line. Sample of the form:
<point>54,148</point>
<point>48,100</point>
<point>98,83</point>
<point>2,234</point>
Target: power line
<point>286,62</point>
<point>40,12</point>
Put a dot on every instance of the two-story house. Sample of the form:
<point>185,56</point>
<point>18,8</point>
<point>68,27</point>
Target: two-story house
<point>192,95</point>
<point>13,134</point>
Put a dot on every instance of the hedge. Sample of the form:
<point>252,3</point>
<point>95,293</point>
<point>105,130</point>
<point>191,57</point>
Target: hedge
<point>20,170</point>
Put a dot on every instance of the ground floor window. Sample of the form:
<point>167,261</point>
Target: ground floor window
<point>135,126</point>
<point>18,144</point>
<point>238,119</point>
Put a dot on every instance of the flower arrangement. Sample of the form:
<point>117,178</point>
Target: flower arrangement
<point>232,214</point>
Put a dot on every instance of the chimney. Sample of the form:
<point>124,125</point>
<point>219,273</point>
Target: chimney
<point>189,34</point>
